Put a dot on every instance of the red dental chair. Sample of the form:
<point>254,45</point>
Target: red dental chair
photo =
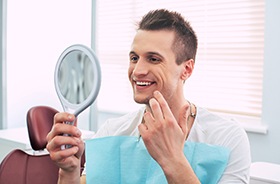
<point>20,167</point>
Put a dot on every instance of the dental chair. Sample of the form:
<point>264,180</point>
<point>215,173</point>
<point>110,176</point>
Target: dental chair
<point>33,166</point>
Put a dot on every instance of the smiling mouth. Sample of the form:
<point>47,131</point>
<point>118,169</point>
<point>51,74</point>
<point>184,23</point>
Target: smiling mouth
<point>143,83</point>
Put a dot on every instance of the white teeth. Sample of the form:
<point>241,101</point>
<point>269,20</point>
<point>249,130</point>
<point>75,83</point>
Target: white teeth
<point>143,83</point>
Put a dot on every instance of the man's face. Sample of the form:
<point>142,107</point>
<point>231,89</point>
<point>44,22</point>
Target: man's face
<point>152,66</point>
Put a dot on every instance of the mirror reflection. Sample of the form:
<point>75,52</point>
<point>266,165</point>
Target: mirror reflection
<point>75,77</point>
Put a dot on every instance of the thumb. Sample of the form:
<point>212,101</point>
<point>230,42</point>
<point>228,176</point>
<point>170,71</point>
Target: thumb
<point>183,119</point>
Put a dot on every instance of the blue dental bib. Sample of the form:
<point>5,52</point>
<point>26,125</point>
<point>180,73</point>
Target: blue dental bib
<point>125,160</point>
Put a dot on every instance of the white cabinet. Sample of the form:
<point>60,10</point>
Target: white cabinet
<point>265,173</point>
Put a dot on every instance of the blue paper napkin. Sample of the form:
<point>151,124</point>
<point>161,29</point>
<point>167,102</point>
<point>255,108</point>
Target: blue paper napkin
<point>125,160</point>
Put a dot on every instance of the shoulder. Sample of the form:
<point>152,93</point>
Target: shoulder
<point>214,129</point>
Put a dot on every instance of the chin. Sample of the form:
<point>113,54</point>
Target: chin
<point>142,100</point>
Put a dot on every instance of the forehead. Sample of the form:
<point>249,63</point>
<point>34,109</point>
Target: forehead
<point>153,41</point>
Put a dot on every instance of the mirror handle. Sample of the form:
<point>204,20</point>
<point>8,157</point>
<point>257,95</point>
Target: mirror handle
<point>68,145</point>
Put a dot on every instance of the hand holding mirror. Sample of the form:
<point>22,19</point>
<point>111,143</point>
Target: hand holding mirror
<point>77,79</point>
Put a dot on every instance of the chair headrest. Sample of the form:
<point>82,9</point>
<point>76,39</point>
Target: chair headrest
<point>39,123</point>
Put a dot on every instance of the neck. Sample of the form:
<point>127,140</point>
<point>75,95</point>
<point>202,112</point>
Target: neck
<point>192,114</point>
<point>176,108</point>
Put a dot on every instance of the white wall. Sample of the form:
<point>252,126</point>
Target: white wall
<point>37,33</point>
<point>267,147</point>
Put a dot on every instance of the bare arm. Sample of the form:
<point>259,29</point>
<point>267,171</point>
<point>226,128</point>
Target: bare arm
<point>68,160</point>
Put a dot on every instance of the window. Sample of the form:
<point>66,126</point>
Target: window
<point>228,71</point>
<point>37,33</point>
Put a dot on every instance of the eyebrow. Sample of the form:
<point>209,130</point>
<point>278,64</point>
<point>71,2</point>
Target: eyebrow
<point>148,53</point>
<point>132,52</point>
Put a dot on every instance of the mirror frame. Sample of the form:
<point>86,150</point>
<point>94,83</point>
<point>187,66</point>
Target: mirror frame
<point>76,109</point>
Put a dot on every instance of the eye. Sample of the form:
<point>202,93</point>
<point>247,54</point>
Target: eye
<point>133,59</point>
<point>154,59</point>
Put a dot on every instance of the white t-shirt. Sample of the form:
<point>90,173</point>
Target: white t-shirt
<point>207,128</point>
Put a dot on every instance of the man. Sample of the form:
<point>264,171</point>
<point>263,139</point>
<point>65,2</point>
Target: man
<point>162,58</point>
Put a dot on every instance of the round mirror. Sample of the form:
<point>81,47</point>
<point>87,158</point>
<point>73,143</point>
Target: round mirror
<point>77,78</point>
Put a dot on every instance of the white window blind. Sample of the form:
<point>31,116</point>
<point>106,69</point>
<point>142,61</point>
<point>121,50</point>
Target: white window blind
<point>229,64</point>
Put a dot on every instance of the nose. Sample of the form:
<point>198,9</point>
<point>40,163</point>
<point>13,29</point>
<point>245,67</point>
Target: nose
<point>140,68</point>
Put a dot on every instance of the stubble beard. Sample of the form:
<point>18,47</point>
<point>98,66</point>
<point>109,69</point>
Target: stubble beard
<point>144,100</point>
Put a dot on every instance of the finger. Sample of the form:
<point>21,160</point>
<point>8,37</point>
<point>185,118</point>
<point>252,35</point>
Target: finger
<point>58,141</point>
<point>62,117</point>
<point>164,105</point>
<point>61,155</point>
<point>59,118</point>
<point>142,128</point>
<point>183,119</point>
<point>156,110</point>
<point>148,119</point>
<point>60,129</point>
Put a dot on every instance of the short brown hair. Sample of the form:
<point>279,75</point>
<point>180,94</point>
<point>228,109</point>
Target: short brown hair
<point>185,43</point>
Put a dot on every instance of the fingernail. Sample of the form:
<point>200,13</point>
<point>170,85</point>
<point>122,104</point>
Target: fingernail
<point>78,132</point>
<point>78,141</point>
<point>70,117</point>
<point>152,101</point>
<point>76,148</point>
<point>156,92</point>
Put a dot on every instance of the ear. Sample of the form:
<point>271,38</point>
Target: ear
<point>188,67</point>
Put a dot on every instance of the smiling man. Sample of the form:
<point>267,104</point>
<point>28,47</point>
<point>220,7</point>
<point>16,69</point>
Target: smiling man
<point>162,58</point>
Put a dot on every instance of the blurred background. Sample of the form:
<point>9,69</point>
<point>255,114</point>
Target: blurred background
<point>236,72</point>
